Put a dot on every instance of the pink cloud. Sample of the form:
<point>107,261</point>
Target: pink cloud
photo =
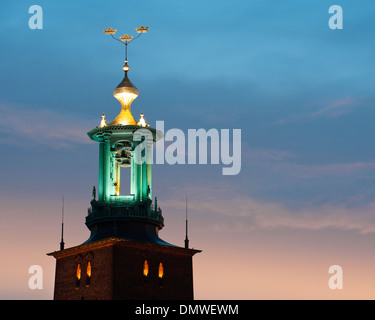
<point>333,109</point>
<point>243,214</point>
<point>42,127</point>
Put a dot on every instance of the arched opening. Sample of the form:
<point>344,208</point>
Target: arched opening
<point>123,157</point>
<point>88,274</point>
<point>145,272</point>
<point>78,275</point>
<point>161,274</point>
<point>145,268</point>
<point>161,270</point>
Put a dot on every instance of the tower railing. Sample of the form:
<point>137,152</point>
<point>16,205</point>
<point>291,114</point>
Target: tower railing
<point>123,207</point>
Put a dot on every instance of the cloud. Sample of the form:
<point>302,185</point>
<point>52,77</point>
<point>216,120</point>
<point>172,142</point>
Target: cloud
<point>333,109</point>
<point>308,171</point>
<point>42,127</point>
<point>285,163</point>
<point>226,213</point>
<point>264,156</point>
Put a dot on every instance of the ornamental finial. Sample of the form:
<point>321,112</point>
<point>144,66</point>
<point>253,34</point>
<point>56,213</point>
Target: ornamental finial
<point>142,121</point>
<point>103,123</point>
<point>126,39</point>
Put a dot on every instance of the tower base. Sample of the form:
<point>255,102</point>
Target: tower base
<point>115,269</point>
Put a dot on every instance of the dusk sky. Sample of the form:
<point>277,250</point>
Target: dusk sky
<point>301,93</point>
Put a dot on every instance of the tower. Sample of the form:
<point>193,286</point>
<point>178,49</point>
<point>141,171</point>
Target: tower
<point>124,258</point>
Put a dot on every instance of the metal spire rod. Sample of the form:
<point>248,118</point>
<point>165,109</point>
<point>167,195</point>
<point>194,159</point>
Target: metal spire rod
<point>186,223</point>
<point>62,226</point>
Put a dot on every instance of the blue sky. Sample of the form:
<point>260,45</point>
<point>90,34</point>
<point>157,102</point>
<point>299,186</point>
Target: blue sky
<point>301,93</point>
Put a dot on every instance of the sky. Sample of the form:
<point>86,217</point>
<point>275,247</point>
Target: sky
<point>301,94</point>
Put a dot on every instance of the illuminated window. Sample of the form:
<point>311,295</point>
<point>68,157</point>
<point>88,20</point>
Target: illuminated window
<point>145,268</point>
<point>78,275</point>
<point>161,274</point>
<point>161,270</point>
<point>88,274</point>
<point>78,271</point>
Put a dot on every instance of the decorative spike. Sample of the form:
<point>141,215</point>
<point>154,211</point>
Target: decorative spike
<point>62,226</point>
<point>186,238</point>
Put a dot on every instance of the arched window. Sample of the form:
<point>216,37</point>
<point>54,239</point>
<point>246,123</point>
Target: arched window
<point>88,273</point>
<point>161,270</point>
<point>145,268</point>
<point>78,275</point>
<point>161,274</point>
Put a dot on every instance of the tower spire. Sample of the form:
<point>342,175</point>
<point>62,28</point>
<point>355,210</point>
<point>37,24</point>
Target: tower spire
<point>125,92</point>
<point>62,226</point>
<point>186,223</point>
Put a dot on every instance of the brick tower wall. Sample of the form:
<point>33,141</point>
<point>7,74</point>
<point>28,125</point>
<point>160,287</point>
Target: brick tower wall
<point>117,272</point>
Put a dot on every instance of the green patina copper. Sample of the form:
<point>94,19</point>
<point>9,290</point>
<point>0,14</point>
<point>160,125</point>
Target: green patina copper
<point>118,151</point>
